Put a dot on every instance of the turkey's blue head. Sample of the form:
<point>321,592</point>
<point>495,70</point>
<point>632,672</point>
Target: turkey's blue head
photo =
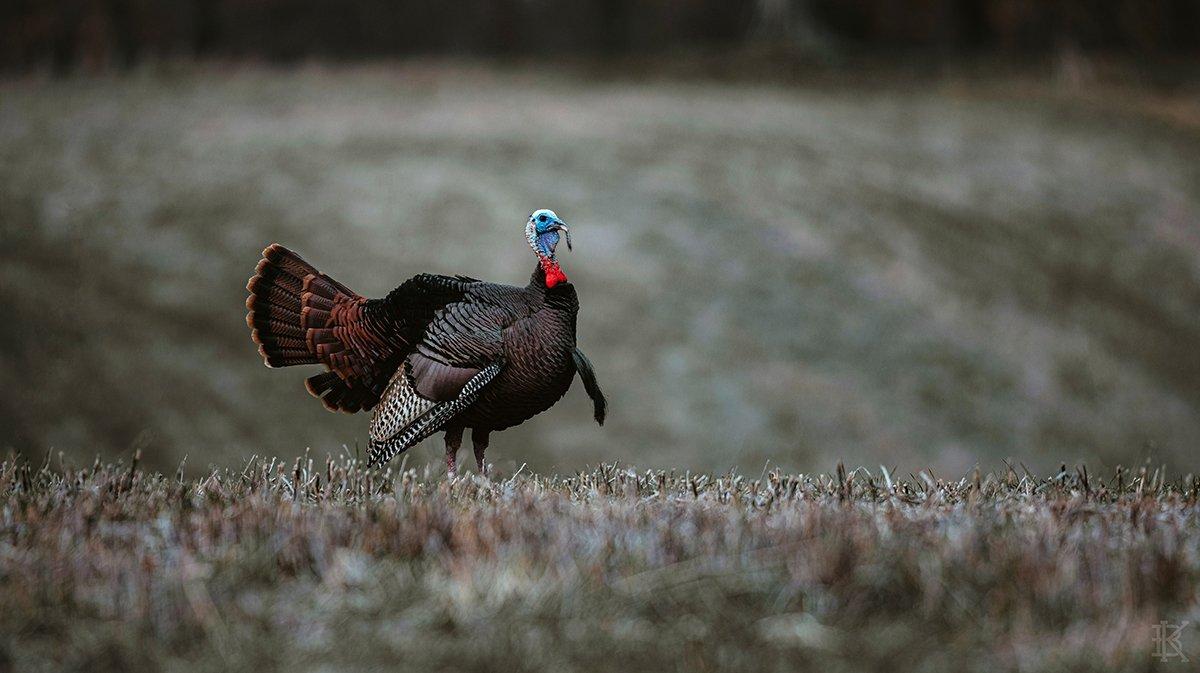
<point>543,232</point>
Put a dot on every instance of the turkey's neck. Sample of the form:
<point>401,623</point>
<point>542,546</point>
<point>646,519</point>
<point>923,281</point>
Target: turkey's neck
<point>547,273</point>
<point>561,299</point>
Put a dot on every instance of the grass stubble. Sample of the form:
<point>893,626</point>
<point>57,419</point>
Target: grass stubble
<point>311,565</point>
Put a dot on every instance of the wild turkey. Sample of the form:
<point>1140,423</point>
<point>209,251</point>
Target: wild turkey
<point>437,353</point>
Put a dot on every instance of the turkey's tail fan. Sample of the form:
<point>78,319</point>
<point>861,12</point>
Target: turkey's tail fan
<point>275,312</point>
<point>289,306</point>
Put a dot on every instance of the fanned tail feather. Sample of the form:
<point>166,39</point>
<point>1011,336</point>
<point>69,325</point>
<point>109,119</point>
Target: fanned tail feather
<point>274,308</point>
<point>289,307</point>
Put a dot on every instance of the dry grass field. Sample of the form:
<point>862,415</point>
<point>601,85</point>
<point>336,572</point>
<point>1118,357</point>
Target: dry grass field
<point>777,276</point>
<point>322,565</point>
<point>924,272</point>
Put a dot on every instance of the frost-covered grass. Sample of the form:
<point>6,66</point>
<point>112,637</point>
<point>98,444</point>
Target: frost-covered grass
<point>324,565</point>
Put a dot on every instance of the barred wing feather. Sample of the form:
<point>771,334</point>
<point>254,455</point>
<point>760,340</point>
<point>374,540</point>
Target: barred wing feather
<point>405,417</point>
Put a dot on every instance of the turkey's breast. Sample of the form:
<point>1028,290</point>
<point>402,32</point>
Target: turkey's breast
<point>538,365</point>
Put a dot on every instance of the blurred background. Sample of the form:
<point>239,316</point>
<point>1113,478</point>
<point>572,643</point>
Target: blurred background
<point>924,233</point>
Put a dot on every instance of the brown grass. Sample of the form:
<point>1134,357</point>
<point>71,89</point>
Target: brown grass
<point>326,565</point>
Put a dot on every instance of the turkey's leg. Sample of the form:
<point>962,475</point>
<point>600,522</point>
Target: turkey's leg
<point>479,438</point>
<point>453,441</point>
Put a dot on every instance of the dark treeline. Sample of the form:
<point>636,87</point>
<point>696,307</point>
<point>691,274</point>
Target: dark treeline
<point>96,34</point>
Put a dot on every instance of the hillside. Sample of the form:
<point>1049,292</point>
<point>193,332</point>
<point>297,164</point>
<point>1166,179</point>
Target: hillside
<point>932,272</point>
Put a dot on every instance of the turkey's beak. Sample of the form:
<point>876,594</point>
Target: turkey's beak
<point>563,227</point>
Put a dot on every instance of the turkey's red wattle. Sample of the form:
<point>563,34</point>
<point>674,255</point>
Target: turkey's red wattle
<point>554,273</point>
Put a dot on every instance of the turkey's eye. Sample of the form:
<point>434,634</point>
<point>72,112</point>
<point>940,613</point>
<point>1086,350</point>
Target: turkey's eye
<point>541,218</point>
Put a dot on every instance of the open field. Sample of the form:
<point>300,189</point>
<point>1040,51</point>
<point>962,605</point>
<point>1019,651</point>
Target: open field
<point>321,565</point>
<point>930,272</point>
